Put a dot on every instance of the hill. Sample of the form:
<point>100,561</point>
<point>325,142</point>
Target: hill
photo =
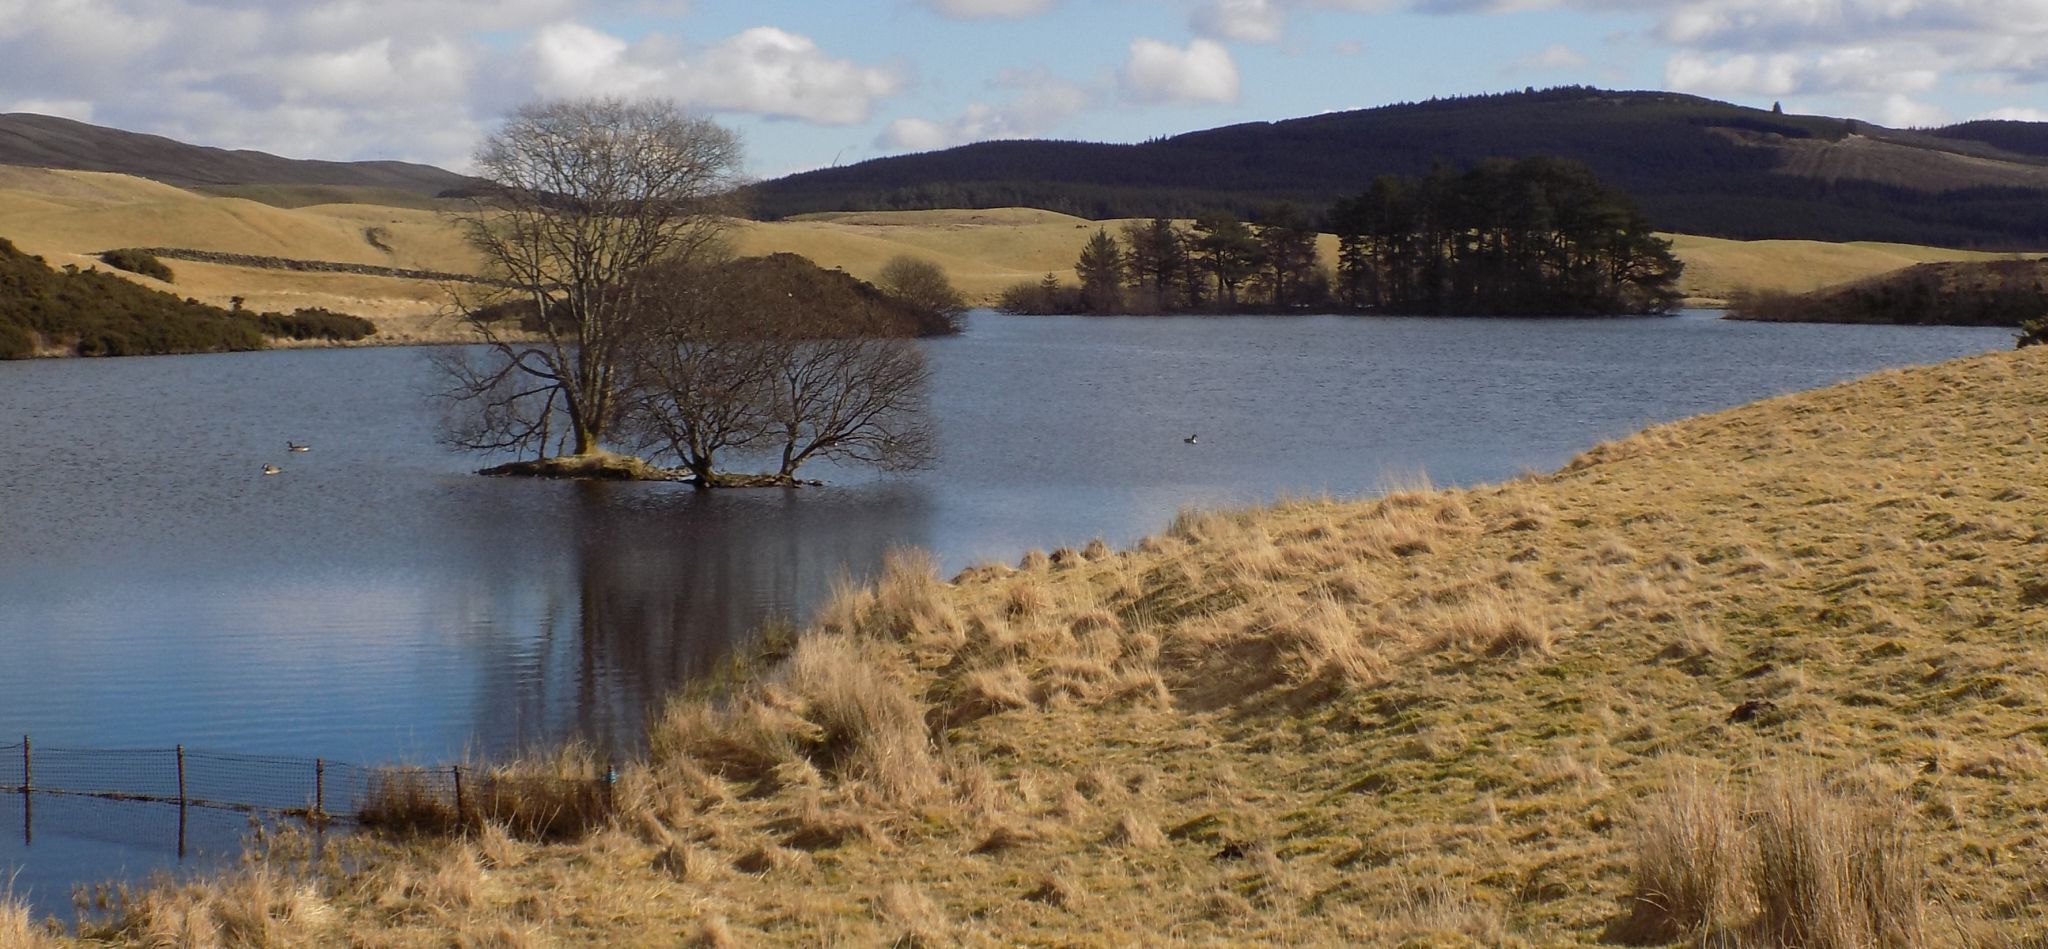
<point>1695,165</point>
<point>69,217</point>
<point>44,141</point>
<point>1972,293</point>
<point>1762,677</point>
<point>92,313</point>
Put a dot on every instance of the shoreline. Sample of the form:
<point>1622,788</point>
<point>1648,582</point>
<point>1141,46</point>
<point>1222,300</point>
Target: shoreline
<point>1438,715</point>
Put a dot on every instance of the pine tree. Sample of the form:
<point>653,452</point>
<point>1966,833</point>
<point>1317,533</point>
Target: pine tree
<point>1100,269</point>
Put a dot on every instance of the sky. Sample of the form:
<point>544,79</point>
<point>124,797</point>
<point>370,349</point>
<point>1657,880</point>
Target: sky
<point>813,83</point>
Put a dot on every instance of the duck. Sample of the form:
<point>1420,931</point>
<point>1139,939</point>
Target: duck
<point>295,446</point>
<point>272,469</point>
<point>1190,439</point>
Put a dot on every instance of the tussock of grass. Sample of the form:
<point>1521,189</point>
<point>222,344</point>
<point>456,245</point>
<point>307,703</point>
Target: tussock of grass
<point>18,927</point>
<point>1445,717</point>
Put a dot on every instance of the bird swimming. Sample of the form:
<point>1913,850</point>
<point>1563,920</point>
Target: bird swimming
<point>1190,439</point>
<point>272,469</point>
<point>295,446</point>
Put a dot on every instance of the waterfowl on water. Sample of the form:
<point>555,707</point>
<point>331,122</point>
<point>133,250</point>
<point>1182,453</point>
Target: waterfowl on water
<point>295,446</point>
<point>272,469</point>
<point>1190,439</point>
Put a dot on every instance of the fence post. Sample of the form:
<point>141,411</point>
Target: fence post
<point>181,802</point>
<point>320,788</point>
<point>458,793</point>
<point>28,804</point>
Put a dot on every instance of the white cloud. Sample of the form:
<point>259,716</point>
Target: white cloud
<point>1859,70</point>
<point>763,70</point>
<point>2015,114</point>
<point>1040,101</point>
<point>977,9</point>
<point>1250,21</point>
<point>1554,56</point>
<point>917,135</point>
<point>1162,72</point>
<point>774,72</point>
<point>1903,112</point>
<point>1733,76</point>
<point>78,110</point>
<point>1755,24</point>
<point>414,79</point>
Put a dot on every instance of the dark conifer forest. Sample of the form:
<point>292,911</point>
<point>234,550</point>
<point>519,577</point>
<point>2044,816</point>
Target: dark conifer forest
<point>1693,165</point>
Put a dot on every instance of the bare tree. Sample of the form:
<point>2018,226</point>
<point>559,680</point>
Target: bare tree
<point>581,196</point>
<point>700,372</point>
<point>853,398</point>
<point>772,356</point>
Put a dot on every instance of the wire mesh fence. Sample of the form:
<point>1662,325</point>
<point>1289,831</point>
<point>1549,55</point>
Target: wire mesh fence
<point>432,798</point>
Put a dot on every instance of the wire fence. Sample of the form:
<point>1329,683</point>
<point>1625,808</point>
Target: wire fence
<point>433,798</point>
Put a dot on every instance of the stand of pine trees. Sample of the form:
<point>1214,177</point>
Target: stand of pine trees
<point>1532,237</point>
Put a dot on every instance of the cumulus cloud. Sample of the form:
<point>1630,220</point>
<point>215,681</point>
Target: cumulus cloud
<point>1554,56</point>
<point>1853,71</point>
<point>1161,72</point>
<point>1753,24</point>
<point>979,9</point>
<point>1901,111</point>
<point>417,79</point>
<point>1250,21</point>
<point>1039,101</point>
<point>764,70</point>
<point>2015,114</point>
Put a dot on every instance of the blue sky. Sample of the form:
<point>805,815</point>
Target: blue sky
<point>810,82</point>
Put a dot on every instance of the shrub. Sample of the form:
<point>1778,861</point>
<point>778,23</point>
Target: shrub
<point>315,323</point>
<point>1040,298</point>
<point>923,284</point>
<point>137,262</point>
<point>2034,332</point>
<point>16,342</point>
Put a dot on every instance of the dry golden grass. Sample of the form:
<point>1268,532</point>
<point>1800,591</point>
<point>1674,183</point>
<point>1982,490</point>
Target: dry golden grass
<point>68,216</point>
<point>1565,709</point>
<point>18,928</point>
<point>1716,267</point>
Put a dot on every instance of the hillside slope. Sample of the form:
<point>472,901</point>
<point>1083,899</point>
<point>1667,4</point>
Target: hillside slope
<point>70,216</point>
<point>1956,293</point>
<point>1777,655</point>
<point>1695,166</point>
<point>45,141</point>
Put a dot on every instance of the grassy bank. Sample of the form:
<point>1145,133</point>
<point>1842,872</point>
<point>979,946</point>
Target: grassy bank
<point>1771,675</point>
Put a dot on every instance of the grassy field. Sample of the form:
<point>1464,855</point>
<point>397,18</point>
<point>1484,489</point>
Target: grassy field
<point>70,216</point>
<point>1770,676</point>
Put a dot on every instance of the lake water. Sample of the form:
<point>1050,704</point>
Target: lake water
<point>378,602</point>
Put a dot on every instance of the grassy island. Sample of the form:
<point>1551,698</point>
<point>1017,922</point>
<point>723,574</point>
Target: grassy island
<point>1769,676</point>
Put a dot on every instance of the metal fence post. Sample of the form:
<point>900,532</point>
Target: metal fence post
<point>320,788</point>
<point>457,769</point>
<point>28,771</point>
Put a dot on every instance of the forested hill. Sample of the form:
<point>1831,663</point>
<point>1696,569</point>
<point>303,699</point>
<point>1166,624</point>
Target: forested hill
<point>45,141</point>
<point>1694,165</point>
